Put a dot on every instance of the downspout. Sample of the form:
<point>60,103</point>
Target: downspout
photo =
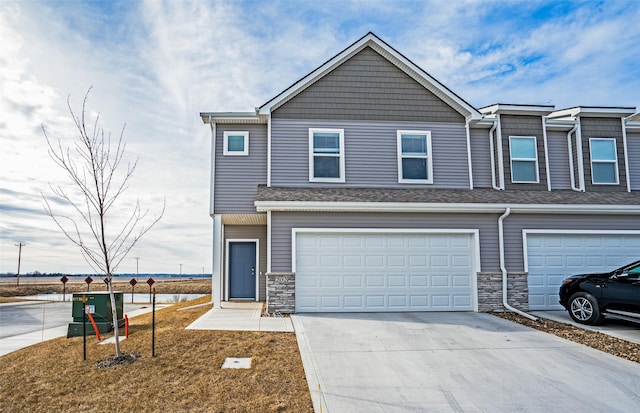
<point>466,126</point>
<point>213,165</point>
<point>215,298</point>
<point>626,156</point>
<point>571,165</point>
<point>546,151</point>
<point>503,269</point>
<point>269,151</point>
<point>493,160</point>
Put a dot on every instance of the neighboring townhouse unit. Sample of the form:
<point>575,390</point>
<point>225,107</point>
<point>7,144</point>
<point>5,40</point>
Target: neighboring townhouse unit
<point>369,186</point>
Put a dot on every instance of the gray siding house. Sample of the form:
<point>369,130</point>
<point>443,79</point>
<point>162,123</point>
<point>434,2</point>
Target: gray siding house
<point>370,186</point>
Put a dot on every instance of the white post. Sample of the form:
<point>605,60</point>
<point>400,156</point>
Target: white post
<point>216,269</point>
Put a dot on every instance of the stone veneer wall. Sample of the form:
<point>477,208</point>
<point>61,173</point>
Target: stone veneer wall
<point>490,291</point>
<point>281,292</point>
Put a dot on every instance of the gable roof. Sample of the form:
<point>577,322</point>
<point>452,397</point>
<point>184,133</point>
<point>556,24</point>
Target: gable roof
<point>393,56</point>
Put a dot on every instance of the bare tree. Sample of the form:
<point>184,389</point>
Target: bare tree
<point>99,177</point>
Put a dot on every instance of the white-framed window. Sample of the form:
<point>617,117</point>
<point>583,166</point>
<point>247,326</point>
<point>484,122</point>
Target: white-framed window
<point>415,162</point>
<point>604,161</point>
<point>236,143</point>
<point>326,155</point>
<point>524,159</point>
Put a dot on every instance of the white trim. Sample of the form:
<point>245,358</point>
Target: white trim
<point>216,267</point>
<point>212,173</point>
<point>572,168</point>
<point>268,241</point>
<point>494,183</point>
<point>269,152</point>
<point>511,159</point>
<point>626,156</point>
<point>341,155</point>
<point>500,153</point>
<point>475,233</point>
<point>469,165</point>
<point>257,270</point>
<point>320,206</point>
<point>526,232</point>
<point>225,149</point>
<point>594,111</point>
<point>401,156</point>
<point>614,161</point>
<point>580,156</point>
<point>546,152</point>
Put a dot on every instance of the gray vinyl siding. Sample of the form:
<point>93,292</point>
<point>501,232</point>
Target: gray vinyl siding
<point>250,232</point>
<point>514,224</point>
<point>283,222</point>
<point>603,128</point>
<point>633,146</point>
<point>237,177</point>
<point>521,125</point>
<point>367,87</point>
<point>480,158</point>
<point>370,153</point>
<point>558,152</point>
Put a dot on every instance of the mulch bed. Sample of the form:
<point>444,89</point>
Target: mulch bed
<point>603,342</point>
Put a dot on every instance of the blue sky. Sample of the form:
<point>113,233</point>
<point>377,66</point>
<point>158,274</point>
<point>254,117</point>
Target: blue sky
<point>155,65</point>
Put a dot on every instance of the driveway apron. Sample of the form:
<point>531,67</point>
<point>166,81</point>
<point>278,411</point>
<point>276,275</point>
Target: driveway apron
<point>455,362</point>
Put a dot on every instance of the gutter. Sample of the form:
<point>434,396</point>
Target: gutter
<point>507,212</point>
<point>493,155</point>
<point>571,166</point>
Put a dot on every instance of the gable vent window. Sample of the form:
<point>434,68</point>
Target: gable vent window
<point>604,161</point>
<point>326,155</point>
<point>524,159</point>
<point>414,157</point>
<point>236,143</point>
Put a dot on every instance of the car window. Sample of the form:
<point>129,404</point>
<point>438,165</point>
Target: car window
<point>635,271</point>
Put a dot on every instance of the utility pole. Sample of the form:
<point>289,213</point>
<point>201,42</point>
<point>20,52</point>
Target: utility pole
<point>137,267</point>
<point>19,245</point>
<point>180,269</point>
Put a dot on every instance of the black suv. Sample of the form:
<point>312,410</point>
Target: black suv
<point>588,297</point>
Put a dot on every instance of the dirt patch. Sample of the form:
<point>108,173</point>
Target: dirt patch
<point>113,361</point>
<point>603,342</point>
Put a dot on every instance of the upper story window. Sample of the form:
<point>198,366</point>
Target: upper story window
<point>326,155</point>
<point>524,159</point>
<point>604,161</point>
<point>236,143</point>
<point>415,163</point>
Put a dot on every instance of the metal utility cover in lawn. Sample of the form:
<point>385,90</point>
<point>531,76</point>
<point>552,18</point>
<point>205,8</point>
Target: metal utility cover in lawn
<point>236,363</point>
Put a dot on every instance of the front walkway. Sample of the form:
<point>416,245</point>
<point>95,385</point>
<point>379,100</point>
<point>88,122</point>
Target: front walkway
<point>241,316</point>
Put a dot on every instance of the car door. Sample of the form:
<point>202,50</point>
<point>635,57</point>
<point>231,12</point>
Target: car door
<point>622,291</point>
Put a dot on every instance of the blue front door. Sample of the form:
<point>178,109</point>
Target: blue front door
<point>242,270</point>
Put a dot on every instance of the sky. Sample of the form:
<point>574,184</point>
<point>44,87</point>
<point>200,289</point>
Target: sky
<point>154,66</point>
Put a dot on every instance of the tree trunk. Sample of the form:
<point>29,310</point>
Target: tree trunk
<point>114,314</point>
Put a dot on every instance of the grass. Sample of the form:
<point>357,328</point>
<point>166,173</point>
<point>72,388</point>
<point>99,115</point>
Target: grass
<point>184,376</point>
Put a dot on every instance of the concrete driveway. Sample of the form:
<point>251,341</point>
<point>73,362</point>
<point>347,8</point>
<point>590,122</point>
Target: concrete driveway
<point>455,362</point>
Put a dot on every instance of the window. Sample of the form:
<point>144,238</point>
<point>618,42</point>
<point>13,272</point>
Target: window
<point>326,155</point>
<point>236,143</point>
<point>414,157</point>
<point>604,161</point>
<point>524,159</point>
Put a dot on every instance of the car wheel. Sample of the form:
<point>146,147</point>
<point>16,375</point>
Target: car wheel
<point>583,308</point>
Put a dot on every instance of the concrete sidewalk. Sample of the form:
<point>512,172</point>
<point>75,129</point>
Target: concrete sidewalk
<point>241,316</point>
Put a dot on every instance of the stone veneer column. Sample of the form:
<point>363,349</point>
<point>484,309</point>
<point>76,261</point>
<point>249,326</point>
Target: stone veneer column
<point>490,291</point>
<point>281,292</point>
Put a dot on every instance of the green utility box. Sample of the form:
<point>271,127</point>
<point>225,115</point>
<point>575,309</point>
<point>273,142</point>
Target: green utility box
<point>99,305</point>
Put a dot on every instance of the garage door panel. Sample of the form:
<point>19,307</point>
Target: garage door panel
<point>385,272</point>
<point>553,257</point>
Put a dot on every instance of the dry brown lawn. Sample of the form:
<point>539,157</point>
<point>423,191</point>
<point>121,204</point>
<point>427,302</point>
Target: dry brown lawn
<point>185,375</point>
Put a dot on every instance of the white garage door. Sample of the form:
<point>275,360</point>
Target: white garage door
<point>553,257</point>
<point>384,272</point>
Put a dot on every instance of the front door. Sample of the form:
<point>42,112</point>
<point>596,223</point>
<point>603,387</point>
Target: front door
<point>242,270</point>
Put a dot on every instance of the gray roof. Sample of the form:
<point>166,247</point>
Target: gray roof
<point>634,118</point>
<point>448,196</point>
